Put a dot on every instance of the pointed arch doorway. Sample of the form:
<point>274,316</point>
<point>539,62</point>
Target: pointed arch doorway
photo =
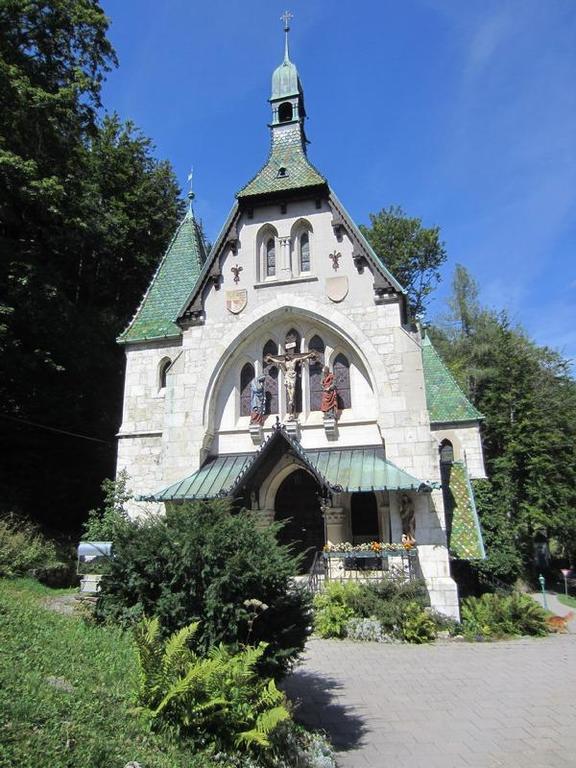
<point>297,505</point>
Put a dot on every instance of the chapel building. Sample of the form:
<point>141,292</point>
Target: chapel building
<point>282,370</point>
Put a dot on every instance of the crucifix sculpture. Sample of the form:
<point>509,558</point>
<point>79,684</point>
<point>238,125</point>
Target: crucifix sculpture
<point>288,362</point>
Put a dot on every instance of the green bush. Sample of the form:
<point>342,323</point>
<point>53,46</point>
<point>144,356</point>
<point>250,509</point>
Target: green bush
<point>387,599</point>
<point>495,616</point>
<point>394,603</point>
<point>218,699</point>
<point>334,607</point>
<point>417,625</point>
<point>23,547</point>
<point>200,562</point>
<point>106,523</point>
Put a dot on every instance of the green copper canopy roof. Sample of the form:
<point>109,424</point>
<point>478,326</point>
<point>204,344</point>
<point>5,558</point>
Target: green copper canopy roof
<point>215,478</point>
<point>350,470</point>
<point>363,469</point>
<point>445,400</point>
<point>175,277</point>
<point>465,540</point>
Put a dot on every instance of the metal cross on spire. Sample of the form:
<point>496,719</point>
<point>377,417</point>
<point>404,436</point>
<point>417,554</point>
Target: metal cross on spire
<point>286,17</point>
<point>190,191</point>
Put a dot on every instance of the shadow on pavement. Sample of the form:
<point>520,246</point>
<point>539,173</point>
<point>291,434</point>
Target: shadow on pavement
<point>314,698</point>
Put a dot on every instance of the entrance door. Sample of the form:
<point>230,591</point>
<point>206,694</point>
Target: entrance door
<point>364,515</point>
<point>297,505</point>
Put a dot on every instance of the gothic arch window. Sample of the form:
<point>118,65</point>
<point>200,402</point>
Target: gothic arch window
<point>270,371</point>
<point>266,252</point>
<point>270,257</point>
<point>446,452</point>
<point>304,252</point>
<point>163,369</point>
<point>301,235</point>
<point>342,381</point>
<point>315,372</point>
<point>246,377</point>
<point>285,112</point>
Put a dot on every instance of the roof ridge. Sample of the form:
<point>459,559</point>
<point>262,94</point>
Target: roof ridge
<point>365,244</point>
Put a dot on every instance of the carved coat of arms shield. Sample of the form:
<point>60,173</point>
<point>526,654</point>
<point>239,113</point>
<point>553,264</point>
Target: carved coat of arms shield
<point>337,288</point>
<point>236,300</point>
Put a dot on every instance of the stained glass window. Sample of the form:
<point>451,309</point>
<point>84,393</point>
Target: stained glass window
<point>246,377</point>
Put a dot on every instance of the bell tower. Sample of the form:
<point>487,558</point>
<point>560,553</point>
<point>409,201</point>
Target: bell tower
<point>287,98</point>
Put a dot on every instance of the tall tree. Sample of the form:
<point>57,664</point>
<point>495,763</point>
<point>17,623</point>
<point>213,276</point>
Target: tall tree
<point>528,398</point>
<point>411,252</point>
<point>85,213</point>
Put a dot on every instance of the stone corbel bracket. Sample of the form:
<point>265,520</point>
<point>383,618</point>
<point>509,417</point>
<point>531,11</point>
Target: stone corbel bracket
<point>256,433</point>
<point>331,427</point>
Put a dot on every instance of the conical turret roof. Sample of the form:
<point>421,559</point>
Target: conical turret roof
<point>174,280</point>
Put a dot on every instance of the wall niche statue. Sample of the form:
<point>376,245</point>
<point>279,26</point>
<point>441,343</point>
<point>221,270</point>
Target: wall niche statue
<point>257,401</point>
<point>408,517</point>
<point>329,402</point>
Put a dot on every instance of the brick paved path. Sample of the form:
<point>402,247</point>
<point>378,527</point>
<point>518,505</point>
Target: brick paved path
<point>472,705</point>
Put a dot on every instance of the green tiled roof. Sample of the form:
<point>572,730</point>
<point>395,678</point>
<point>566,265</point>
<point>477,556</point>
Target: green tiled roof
<point>465,534</point>
<point>445,400</point>
<point>175,277</point>
<point>288,153</point>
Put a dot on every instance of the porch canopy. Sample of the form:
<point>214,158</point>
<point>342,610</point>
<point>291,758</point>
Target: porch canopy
<point>338,470</point>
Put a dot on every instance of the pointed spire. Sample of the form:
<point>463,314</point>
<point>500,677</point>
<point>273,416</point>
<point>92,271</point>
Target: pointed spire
<point>286,17</point>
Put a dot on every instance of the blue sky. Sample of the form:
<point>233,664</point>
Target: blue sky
<point>461,111</point>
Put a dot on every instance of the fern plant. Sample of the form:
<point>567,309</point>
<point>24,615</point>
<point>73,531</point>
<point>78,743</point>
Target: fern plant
<point>215,699</point>
<point>493,616</point>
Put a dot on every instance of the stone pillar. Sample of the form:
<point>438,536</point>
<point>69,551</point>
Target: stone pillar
<point>285,266</point>
<point>334,520</point>
<point>264,517</point>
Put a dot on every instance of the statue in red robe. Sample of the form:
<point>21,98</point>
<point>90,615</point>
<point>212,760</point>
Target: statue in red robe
<point>329,403</point>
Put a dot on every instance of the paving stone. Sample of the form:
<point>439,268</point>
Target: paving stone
<point>450,705</point>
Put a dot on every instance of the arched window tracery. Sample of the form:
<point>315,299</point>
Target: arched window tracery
<point>270,257</point>
<point>304,252</point>
<point>246,378</point>
<point>302,241</point>
<point>342,381</point>
<point>315,372</point>
<point>270,372</point>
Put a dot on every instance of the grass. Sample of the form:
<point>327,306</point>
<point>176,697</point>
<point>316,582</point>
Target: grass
<point>66,691</point>
<point>567,600</point>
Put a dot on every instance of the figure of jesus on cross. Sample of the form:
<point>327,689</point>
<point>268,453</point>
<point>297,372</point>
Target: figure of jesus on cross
<point>288,362</point>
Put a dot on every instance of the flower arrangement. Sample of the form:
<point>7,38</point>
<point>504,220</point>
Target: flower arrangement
<point>377,547</point>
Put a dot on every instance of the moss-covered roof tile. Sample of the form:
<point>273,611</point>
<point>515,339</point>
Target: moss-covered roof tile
<point>175,278</point>
<point>287,168</point>
<point>465,534</point>
<point>445,400</point>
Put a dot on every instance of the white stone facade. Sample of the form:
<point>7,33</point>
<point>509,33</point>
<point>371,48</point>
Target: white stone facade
<point>169,431</point>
